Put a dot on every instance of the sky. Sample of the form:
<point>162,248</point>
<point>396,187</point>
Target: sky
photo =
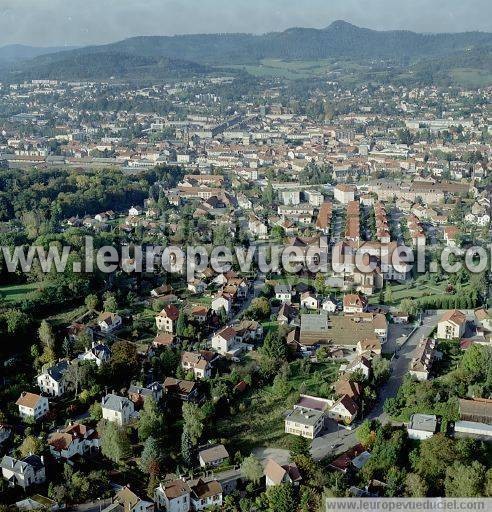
<point>83,22</point>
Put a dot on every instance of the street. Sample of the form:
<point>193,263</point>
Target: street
<point>344,439</point>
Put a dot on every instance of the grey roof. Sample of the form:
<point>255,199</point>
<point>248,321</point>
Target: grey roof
<point>115,402</point>
<point>315,323</point>
<point>283,288</point>
<point>423,422</point>
<point>18,466</point>
<point>213,454</point>
<point>56,372</point>
<point>304,416</point>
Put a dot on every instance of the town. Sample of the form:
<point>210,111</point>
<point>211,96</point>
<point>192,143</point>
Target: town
<point>241,390</point>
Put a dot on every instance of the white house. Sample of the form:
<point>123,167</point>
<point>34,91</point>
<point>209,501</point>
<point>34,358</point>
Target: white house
<point>205,494</point>
<point>344,193</point>
<point>309,301</point>
<point>283,292</point>
<point>52,381</point>
<point>32,406</point>
<point>117,409</point>
<point>224,340</point>
<point>99,353</point>
<point>214,456</point>
<point>24,473</point>
<point>131,502</point>
<point>422,426</point>
<point>75,439</point>
<point>173,496</point>
<point>344,410</point>
<point>222,301</point>
<point>275,474</point>
<point>329,305</point>
<point>197,363</point>
<point>451,325</point>
<point>109,322</point>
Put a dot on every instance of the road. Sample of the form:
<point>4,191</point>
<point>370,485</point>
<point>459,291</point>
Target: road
<point>343,439</point>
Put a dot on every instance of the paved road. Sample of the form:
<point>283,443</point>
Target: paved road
<point>336,441</point>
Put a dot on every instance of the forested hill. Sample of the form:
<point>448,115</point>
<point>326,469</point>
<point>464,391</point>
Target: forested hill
<point>339,40</point>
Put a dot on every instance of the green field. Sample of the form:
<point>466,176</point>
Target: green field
<point>472,77</point>
<point>16,293</point>
<point>261,421</point>
<point>292,69</point>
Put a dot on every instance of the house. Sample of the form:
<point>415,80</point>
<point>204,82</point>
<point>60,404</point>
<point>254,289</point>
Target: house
<point>222,301</point>
<point>304,422</point>
<point>196,286</point>
<point>184,390</point>
<point>422,426</point>
<point>225,340</point>
<point>165,289</point>
<point>360,363</point>
<point>344,410</point>
<point>349,388</point>
<point>200,314</point>
<point>353,303</point>
<point>135,211</point>
<point>138,394</point>
<point>205,494</point>
<point>5,433</point>
<point>451,325</point>
<point>248,330</point>
<point>369,345</point>
<point>451,234</point>
<point>287,314</point>
<point>25,472</point>
<point>344,193</point>
<point>164,339</point>
<point>214,456</point>
<point>197,363</point>
<point>309,301</point>
<point>423,358</point>
<point>276,474</point>
<point>283,292</point>
<point>52,381</point>
<point>131,502</point>
<point>117,409</point>
<point>173,496</point>
<point>99,353</point>
<point>345,461</point>
<point>109,322</point>
<point>75,439</point>
<point>32,406</point>
<point>167,318</point>
<point>330,305</point>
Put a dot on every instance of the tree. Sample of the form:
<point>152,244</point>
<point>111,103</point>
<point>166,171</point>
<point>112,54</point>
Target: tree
<point>193,418</point>
<point>274,347</point>
<point>259,309</point>
<point>435,456</point>
<point>115,444</point>
<point>91,301</point>
<point>365,434</point>
<point>181,324</point>
<point>95,411</point>
<point>32,445</point>
<point>415,486</point>
<point>381,369</point>
<point>110,303</point>
<point>16,320</point>
<point>186,448</point>
<point>465,480</point>
<point>150,423</point>
<point>252,469</point>
<point>151,455</point>
<point>409,306</point>
<point>300,446</point>
<point>45,334</point>
<point>281,498</point>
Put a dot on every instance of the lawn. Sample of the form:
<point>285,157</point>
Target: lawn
<point>259,421</point>
<point>289,69</point>
<point>412,291</point>
<point>17,292</point>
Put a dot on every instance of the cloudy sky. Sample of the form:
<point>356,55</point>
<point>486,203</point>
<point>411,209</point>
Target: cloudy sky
<point>80,22</point>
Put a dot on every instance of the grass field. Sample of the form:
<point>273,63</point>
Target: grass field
<point>295,69</point>
<point>472,77</point>
<point>261,422</point>
<point>16,293</point>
